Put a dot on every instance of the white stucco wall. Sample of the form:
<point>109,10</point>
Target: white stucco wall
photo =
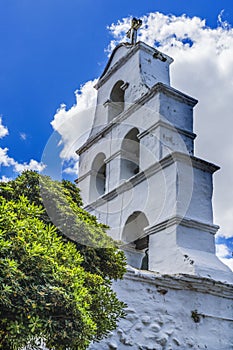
<point>190,305</point>
<point>159,314</point>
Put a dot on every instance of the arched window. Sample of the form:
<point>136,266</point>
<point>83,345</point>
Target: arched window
<point>98,177</point>
<point>135,241</point>
<point>117,100</point>
<point>130,149</point>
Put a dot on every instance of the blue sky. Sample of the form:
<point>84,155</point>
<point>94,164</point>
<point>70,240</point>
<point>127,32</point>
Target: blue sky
<point>49,48</point>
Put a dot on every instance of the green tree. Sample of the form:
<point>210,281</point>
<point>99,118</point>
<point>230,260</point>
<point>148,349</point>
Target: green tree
<point>55,281</point>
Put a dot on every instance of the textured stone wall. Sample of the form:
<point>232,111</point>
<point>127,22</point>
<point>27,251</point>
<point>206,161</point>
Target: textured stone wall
<point>168,313</point>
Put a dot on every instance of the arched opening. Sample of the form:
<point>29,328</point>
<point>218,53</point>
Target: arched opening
<point>130,150</point>
<point>134,239</point>
<point>117,100</point>
<point>98,177</point>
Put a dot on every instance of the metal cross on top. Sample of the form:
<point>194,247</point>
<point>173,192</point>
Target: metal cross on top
<point>132,32</point>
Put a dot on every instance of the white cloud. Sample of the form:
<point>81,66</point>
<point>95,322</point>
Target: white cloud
<point>222,251</point>
<point>74,125</point>
<point>23,136</point>
<point>203,68</point>
<point>71,167</point>
<point>3,129</point>
<point>5,179</point>
<point>225,255</point>
<point>32,165</point>
<point>7,161</point>
<point>221,22</point>
<point>228,262</point>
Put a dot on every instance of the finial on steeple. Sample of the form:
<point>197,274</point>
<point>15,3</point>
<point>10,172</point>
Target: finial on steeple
<point>132,32</point>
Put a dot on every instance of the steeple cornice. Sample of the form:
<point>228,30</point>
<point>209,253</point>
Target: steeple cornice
<point>108,71</point>
<point>159,87</point>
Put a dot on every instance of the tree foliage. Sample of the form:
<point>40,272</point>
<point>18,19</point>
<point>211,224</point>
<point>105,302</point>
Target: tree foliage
<point>55,281</point>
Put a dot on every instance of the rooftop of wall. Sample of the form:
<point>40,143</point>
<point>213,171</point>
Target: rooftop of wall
<point>181,282</point>
<point>123,52</point>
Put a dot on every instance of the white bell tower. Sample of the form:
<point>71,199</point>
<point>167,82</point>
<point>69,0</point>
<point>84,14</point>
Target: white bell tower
<point>138,172</point>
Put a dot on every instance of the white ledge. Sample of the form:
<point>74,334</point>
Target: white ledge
<point>183,221</point>
<point>181,282</point>
<point>169,126</point>
<point>159,87</point>
<point>142,175</point>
